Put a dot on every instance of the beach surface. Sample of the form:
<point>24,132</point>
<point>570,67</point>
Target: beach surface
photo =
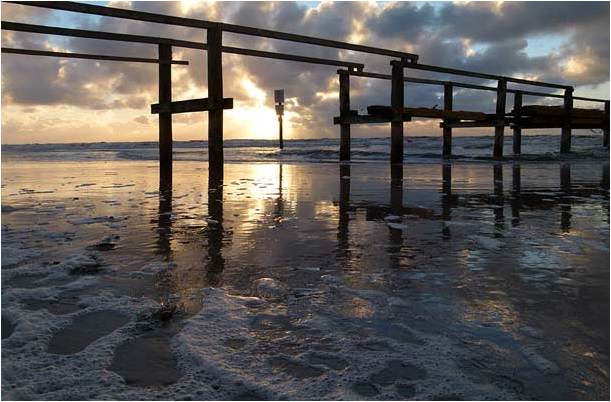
<point>300,280</point>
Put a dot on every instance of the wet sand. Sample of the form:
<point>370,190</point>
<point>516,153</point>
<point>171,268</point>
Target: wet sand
<point>305,281</point>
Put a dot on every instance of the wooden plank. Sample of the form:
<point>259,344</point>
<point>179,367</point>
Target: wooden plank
<point>558,111</point>
<point>397,100</point>
<point>292,57</point>
<point>344,111</point>
<point>499,128</point>
<point>431,113</point>
<point>470,124</point>
<point>366,119</point>
<point>454,71</point>
<point>196,23</point>
<point>83,33</point>
<point>565,135</point>
<point>188,106</point>
<point>165,119</point>
<point>517,129</point>
<point>215,97</point>
<point>448,94</point>
<point>88,56</point>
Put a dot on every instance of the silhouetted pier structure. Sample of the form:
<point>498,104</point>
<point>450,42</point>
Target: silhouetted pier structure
<point>521,117</point>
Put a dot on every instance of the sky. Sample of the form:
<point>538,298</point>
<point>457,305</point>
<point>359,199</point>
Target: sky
<point>47,100</point>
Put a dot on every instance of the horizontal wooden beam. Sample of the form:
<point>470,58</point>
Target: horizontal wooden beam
<point>88,56</point>
<point>470,124</point>
<point>454,83</point>
<point>196,23</point>
<point>81,33</point>
<point>474,74</point>
<point>364,119</point>
<point>291,57</point>
<point>590,99</point>
<point>188,106</point>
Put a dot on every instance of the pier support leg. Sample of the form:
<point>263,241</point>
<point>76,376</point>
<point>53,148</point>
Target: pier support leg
<point>344,110</point>
<point>165,119</point>
<point>606,126</point>
<point>396,103</point>
<point>565,136</point>
<point>280,139</point>
<point>448,94</point>
<point>517,128</point>
<point>215,96</point>
<point>499,128</point>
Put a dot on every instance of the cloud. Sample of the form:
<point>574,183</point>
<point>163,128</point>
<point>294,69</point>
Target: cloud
<point>483,36</point>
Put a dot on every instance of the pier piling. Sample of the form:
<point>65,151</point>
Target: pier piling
<point>448,94</point>
<point>215,96</point>
<point>165,119</point>
<point>397,103</point>
<point>517,127</point>
<point>344,111</point>
<point>499,127</point>
<point>565,136</point>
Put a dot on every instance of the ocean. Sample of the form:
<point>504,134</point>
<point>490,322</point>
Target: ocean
<point>417,150</point>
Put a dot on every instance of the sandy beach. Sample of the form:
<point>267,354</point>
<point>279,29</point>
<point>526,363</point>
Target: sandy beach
<point>305,281</point>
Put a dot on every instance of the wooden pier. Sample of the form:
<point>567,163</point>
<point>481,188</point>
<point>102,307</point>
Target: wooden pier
<point>523,116</point>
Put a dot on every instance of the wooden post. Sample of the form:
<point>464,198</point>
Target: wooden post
<point>165,119</point>
<point>606,126</point>
<point>565,136</point>
<point>448,94</point>
<point>344,110</point>
<point>215,96</point>
<point>499,128</point>
<point>396,103</point>
<point>517,127</point>
<point>280,140</point>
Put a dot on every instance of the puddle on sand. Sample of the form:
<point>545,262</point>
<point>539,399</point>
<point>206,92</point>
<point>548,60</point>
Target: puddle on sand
<point>7,328</point>
<point>84,330</point>
<point>146,361</point>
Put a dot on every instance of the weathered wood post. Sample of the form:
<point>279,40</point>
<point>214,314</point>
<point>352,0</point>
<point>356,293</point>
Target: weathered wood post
<point>165,119</point>
<point>280,139</point>
<point>606,126</point>
<point>396,103</point>
<point>565,136</point>
<point>517,124</point>
<point>215,97</point>
<point>448,94</point>
<point>344,111</point>
<point>499,127</point>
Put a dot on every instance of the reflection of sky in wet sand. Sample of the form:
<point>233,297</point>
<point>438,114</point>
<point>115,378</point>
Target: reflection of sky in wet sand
<point>483,253</point>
